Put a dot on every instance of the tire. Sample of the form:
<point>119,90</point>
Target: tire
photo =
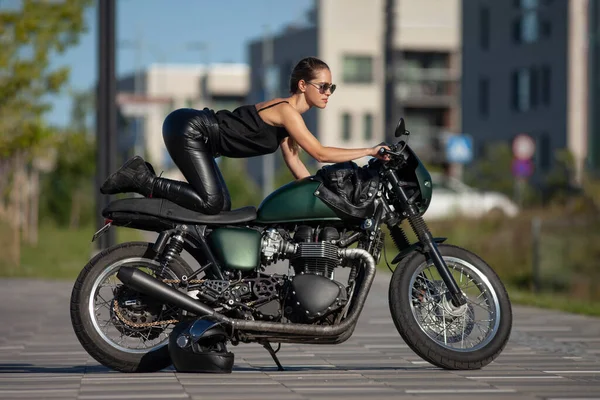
<point>83,322</point>
<point>404,312</point>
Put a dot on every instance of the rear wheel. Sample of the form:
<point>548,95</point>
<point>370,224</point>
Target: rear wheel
<point>466,337</point>
<point>123,329</point>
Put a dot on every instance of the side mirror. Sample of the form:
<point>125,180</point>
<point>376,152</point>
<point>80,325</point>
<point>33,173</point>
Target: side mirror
<point>400,128</point>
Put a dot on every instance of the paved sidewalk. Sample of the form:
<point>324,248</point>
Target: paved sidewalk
<point>551,355</point>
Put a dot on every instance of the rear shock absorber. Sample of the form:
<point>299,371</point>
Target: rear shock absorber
<point>172,250</point>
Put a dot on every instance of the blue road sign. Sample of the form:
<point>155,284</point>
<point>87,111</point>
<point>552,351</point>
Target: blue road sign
<point>459,149</point>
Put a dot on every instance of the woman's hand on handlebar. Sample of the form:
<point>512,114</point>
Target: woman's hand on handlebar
<point>380,152</point>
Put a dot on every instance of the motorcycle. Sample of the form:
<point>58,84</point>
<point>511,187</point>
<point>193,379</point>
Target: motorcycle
<point>447,304</point>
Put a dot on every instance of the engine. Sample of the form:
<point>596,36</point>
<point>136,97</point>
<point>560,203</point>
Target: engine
<point>311,294</point>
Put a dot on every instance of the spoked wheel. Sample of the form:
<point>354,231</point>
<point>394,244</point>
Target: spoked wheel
<point>123,329</point>
<point>466,337</point>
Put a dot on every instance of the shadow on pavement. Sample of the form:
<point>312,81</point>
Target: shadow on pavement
<point>99,369</point>
<point>39,369</point>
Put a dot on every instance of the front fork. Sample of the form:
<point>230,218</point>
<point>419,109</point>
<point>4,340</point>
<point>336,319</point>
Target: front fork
<point>430,248</point>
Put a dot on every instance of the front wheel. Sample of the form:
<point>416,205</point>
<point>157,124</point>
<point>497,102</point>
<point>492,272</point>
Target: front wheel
<point>466,337</point>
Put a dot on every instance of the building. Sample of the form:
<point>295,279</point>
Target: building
<point>349,36</point>
<point>593,154</point>
<point>146,98</point>
<point>525,70</point>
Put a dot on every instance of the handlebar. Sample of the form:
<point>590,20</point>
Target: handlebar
<point>383,151</point>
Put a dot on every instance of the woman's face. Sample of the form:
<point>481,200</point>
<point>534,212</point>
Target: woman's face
<point>319,89</point>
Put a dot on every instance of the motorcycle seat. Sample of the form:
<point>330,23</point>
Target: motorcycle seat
<point>163,208</point>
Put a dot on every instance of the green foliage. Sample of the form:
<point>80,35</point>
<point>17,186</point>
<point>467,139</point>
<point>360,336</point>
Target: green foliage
<point>558,184</point>
<point>29,36</point>
<point>283,175</point>
<point>82,110</point>
<point>68,194</point>
<point>493,171</point>
<point>242,189</point>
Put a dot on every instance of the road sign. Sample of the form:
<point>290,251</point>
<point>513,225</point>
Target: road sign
<point>459,149</point>
<point>523,147</point>
<point>522,168</point>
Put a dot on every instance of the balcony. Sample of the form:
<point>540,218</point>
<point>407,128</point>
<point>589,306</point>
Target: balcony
<point>425,141</point>
<point>428,87</point>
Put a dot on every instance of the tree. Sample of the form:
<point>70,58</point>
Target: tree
<point>68,189</point>
<point>493,171</point>
<point>30,34</point>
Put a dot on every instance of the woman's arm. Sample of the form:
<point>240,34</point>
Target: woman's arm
<point>294,124</point>
<point>293,161</point>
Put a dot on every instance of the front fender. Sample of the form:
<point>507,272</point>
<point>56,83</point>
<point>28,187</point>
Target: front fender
<point>418,246</point>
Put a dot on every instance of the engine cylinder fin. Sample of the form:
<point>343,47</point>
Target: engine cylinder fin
<point>318,258</point>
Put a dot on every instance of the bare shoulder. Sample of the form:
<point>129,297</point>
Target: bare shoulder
<point>275,111</point>
<point>269,104</point>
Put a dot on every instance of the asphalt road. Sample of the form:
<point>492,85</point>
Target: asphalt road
<point>551,355</point>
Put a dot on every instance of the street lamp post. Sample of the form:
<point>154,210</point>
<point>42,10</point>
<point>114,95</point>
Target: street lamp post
<point>106,112</point>
<point>391,105</point>
<point>268,160</point>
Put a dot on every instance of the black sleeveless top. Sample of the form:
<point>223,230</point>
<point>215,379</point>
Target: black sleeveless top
<point>243,133</point>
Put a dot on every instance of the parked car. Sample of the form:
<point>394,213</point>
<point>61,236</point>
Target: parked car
<point>453,197</point>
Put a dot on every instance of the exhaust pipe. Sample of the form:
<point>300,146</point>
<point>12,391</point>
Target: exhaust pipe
<point>151,286</point>
<point>316,330</point>
<point>147,284</point>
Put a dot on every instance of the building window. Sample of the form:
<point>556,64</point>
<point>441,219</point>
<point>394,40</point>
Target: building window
<point>528,27</point>
<point>346,126</point>
<point>484,97</point>
<point>546,84</point>
<point>357,69</point>
<point>530,87</point>
<point>368,127</point>
<point>484,27</point>
<point>543,152</point>
<point>521,90</point>
<point>533,87</point>
<point>529,4</point>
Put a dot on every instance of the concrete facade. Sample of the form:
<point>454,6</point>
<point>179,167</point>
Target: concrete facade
<point>525,71</point>
<point>145,100</point>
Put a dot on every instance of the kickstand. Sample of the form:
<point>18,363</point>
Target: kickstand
<point>273,353</point>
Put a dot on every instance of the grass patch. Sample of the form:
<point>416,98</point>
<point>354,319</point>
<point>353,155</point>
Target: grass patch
<point>60,253</point>
<point>554,301</point>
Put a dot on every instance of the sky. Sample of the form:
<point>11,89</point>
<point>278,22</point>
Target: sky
<point>166,29</point>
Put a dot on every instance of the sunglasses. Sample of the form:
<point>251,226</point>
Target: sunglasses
<point>323,87</point>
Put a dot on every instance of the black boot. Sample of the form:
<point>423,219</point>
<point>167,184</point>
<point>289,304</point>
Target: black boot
<point>136,176</point>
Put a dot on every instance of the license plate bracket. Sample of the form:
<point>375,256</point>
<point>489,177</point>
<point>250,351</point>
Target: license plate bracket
<point>102,231</point>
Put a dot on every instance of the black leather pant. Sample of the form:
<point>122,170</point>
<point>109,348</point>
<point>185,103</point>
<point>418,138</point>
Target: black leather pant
<point>185,135</point>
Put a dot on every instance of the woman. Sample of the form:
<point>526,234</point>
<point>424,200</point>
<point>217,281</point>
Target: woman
<point>195,137</point>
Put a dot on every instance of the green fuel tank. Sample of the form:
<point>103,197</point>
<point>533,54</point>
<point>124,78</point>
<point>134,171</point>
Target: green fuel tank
<point>295,202</point>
